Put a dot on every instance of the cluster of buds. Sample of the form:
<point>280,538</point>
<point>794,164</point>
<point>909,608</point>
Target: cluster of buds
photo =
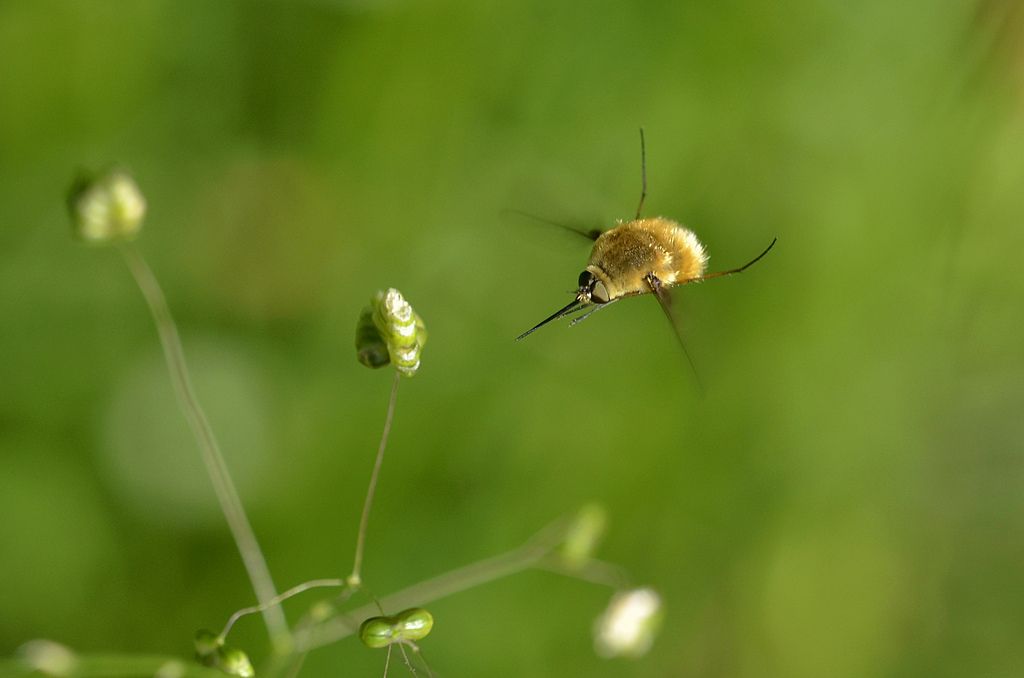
<point>211,651</point>
<point>406,626</point>
<point>389,331</point>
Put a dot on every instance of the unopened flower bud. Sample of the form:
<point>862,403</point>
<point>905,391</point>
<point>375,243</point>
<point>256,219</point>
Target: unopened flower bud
<point>235,662</point>
<point>629,624</point>
<point>389,331</point>
<point>106,207</point>
<point>408,625</point>
<point>211,651</point>
<point>583,536</point>
<point>48,658</point>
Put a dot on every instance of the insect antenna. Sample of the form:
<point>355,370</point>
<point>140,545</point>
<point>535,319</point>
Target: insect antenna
<point>573,305</point>
<point>643,174</point>
<point>741,268</point>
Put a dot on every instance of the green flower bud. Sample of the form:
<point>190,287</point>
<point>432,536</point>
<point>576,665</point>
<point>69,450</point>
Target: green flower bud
<point>377,632</point>
<point>389,331</point>
<point>211,651</point>
<point>235,662</point>
<point>371,349</point>
<point>106,207</point>
<point>414,623</point>
<point>583,536</point>
<point>207,643</point>
<point>172,668</point>
<point>629,624</point>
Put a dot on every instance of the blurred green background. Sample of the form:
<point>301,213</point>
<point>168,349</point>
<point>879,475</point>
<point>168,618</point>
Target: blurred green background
<point>847,499</point>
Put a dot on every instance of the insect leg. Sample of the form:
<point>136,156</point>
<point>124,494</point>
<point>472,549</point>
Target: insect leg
<point>643,174</point>
<point>597,307</point>
<point>735,270</point>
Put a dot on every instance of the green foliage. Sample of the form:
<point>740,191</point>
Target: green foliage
<point>846,500</point>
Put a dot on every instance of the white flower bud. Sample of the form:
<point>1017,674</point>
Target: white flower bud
<point>48,657</point>
<point>629,624</point>
<point>106,207</point>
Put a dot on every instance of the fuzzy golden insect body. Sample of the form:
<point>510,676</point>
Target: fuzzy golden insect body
<point>624,256</point>
<point>642,256</point>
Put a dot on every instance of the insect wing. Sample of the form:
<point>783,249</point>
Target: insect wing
<point>664,297</point>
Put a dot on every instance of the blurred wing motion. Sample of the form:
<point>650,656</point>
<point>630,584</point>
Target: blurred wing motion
<point>588,233</point>
<point>664,297</point>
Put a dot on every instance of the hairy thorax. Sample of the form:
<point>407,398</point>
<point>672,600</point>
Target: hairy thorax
<point>625,255</point>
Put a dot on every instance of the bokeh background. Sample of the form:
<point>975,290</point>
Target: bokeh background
<point>846,499</point>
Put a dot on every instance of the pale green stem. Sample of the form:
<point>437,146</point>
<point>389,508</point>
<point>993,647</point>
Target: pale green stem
<point>227,495</point>
<point>114,666</point>
<point>481,572</point>
<point>592,571</point>
<point>355,579</point>
<point>280,598</point>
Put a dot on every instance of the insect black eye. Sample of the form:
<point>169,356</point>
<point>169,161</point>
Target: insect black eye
<point>586,280</point>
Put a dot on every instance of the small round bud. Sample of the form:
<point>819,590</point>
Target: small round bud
<point>172,669</point>
<point>106,207</point>
<point>389,331</point>
<point>629,624</point>
<point>235,662</point>
<point>377,632</point>
<point>48,658</point>
<point>413,624</point>
<point>408,625</point>
<point>322,611</point>
<point>583,536</point>
<point>211,651</point>
<point>371,349</point>
<point>207,643</point>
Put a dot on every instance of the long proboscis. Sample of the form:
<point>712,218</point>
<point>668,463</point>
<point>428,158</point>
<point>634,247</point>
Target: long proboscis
<point>573,305</point>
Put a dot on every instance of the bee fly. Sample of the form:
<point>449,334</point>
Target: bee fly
<point>642,256</point>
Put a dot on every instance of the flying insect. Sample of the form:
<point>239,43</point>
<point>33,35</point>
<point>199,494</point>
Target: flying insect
<point>641,256</point>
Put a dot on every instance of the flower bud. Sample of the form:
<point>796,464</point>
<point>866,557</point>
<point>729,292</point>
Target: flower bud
<point>389,331</point>
<point>211,651</point>
<point>371,349</point>
<point>207,643</point>
<point>106,207</point>
<point>408,625</point>
<point>629,624</point>
<point>583,536</point>
<point>377,632</point>
<point>234,662</point>
<point>48,658</point>
<point>414,623</point>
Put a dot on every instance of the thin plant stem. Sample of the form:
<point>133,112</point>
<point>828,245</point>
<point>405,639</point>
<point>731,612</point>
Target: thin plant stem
<point>355,579</point>
<point>481,572</point>
<point>278,599</point>
<point>227,495</point>
<point>405,656</point>
<point>593,571</point>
